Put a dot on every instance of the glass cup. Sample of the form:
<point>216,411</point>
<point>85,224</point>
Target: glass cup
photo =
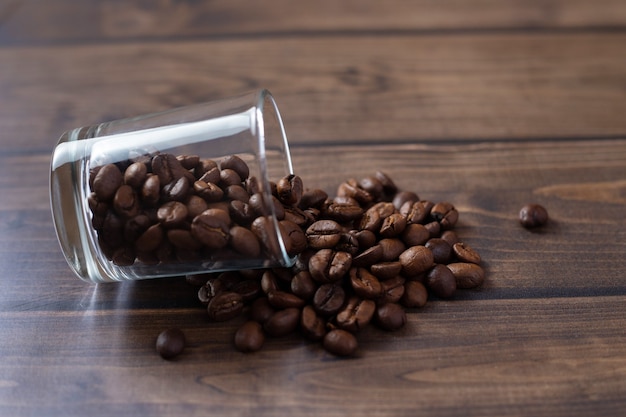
<point>153,196</point>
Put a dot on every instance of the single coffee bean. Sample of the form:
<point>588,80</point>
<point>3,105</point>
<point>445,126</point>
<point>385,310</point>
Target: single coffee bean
<point>368,257</point>
<point>269,282</point>
<point>183,239</point>
<point>177,190</point>
<point>434,228</point>
<point>416,212</point>
<point>126,202</point>
<point>373,186</point>
<point>343,213</point>
<point>416,260</point>
<point>340,342</point>
<point>168,168</point>
<point>351,189</point>
<point>468,275</point>
<point>195,206</point>
<point>323,234</point>
<point>348,243</point>
<point>328,265</point>
<point>312,326</point>
<point>303,285</point>
<point>237,192</point>
<point>170,343</point>
<point>210,229</point>
<point>312,198</point>
<point>441,281</point>
<point>294,238</point>
<point>390,316</point>
<point>229,177</point>
<point>371,221</point>
<point>261,310</point>
<point>282,322</point>
<point>112,231</point>
<point>172,214</point>
<point>245,242</point>
<point>188,161</point>
<point>135,227</point>
<point>366,238</point>
<point>392,248</point>
<point>241,212</point>
<point>283,299</point>
<point>445,214</point>
<point>402,197</point>
<point>208,191</point>
<point>465,253</point>
<point>533,215</point>
<point>415,234</point>
<point>135,174</point>
<point>212,176</point>
<point>386,270</point>
<point>393,225</point>
<point>124,256</point>
<point>249,337</point>
<point>365,284</point>
<point>415,294</point>
<point>289,190</point>
<point>442,252</point>
<point>328,299</point>
<point>204,166</point>
<point>106,182</point>
<point>210,289</point>
<point>392,290</point>
<point>389,187</point>
<point>151,190</point>
<point>356,314</point>
<point>249,289</point>
<point>225,306</point>
<point>237,164</point>
<point>150,239</point>
<point>450,236</point>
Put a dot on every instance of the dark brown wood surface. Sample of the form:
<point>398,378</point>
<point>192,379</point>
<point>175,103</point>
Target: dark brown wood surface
<point>487,104</point>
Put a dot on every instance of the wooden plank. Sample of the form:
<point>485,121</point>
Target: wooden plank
<point>70,20</point>
<point>351,89</point>
<point>556,357</point>
<point>581,183</point>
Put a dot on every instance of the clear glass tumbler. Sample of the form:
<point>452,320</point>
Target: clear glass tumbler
<point>150,196</point>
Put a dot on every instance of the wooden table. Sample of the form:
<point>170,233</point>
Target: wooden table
<point>488,104</point>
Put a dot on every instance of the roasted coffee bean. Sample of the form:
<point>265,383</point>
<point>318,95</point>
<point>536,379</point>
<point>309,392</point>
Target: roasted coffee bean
<point>209,191</point>
<point>113,230</point>
<point>289,190</point>
<point>450,236</point>
<point>392,248</point>
<point>269,282</point>
<point>442,252</point>
<point>150,239</point>
<point>390,316</point>
<point>168,168</point>
<point>415,260</point>
<point>328,299</point>
<point>263,229</point>
<point>389,187</point>
<point>415,234</point>
<point>237,164</point>
<point>323,234</point>
<point>211,229</point>
<point>365,284</point>
<point>312,326</point>
<point>282,322</point>
<point>465,253</point>
<point>229,177</point>
<point>294,238</point>
<point>126,202</point>
<point>356,314</point>
<point>237,192</point>
<point>283,299</point>
<point>135,174</point>
<point>135,227</point>
<point>368,257</point>
<point>468,275</point>
<point>257,202</point>
<point>249,289</point>
<point>212,176</point>
<point>365,238</point>
<point>195,206</point>
<point>198,280</point>
<point>434,228</point>
<point>348,243</point>
<point>172,214</point>
<point>245,242</point>
<point>261,310</point>
<point>249,337</point>
<point>343,213</point>
<point>351,189</point>
<point>373,186</point>
<point>183,239</point>
<point>445,214</point>
<point>533,215</point>
<point>393,225</point>
<point>303,285</point>
<point>383,208</point>
<point>298,216</point>
<point>124,256</point>
<point>225,306</point>
<point>188,161</point>
<point>151,190</point>
<point>312,199</point>
<point>106,182</point>
<point>402,197</point>
<point>203,166</point>
<point>210,289</point>
<point>177,190</point>
<point>392,290</point>
<point>371,221</point>
<point>441,281</point>
<point>241,212</point>
<point>417,212</point>
<point>386,270</point>
<point>415,294</point>
<point>340,342</point>
<point>170,343</point>
<point>328,265</point>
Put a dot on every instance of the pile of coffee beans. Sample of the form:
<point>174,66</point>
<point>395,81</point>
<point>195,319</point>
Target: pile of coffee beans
<point>369,253</point>
<point>161,208</point>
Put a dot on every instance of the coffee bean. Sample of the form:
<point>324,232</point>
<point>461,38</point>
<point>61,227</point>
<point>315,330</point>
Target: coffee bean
<point>465,253</point>
<point>237,192</point>
<point>195,206</point>
<point>151,190</point>
<point>351,189</point>
<point>415,295</point>
<point>212,176</point>
<point>365,284</point>
<point>135,227</point>
<point>209,191</point>
<point>210,229</point>
<point>303,285</point>
<point>249,289</point>
<point>225,306</point>
<point>236,164</point>
<point>245,242</point>
<point>365,238</point>
<point>403,197</point>
<point>450,236</point>
<point>126,202</point>
<point>468,275</point>
<point>328,265</point>
<point>177,190</point>
<point>441,250</point>
<point>323,234</point>
<point>386,270</point>
<point>434,228</point>
<point>229,177</point>
<point>106,182</point>
<point>441,281</point>
<point>183,239</point>
<point>533,215</point>
<point>210,289</point>
<point>356,314</point>
<point>348,243</point>
<point>249,337</point>
<point>290,189</point>
<point>445,214</point>
<point>392,248</point>
<point>368,257</point>
<point>135,174</point>
<point>393,225</point>
<point>261,310</point>
<point>416,212</point>
<point>312,326</point>
<point>340,342</point>
<point>415,234</point>
<point>343,212</point>
<point>392,290</point>
<point>172,214</point>
<point>283,299</point>
<point>294,238</point>
<point>150,239</point>
<point>328,299</point>
<point>389,187</point>
<point>282,322</point>
<point>390,316</point>
<point>416,260</point>
<point>168,168</point>
<point>170,343</point>
<point>312,199</point>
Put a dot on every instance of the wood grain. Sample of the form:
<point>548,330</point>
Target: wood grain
<point>358,90</point>
<point>53,21</point>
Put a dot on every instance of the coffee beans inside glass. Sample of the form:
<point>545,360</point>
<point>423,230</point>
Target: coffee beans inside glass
<point>184,191</point>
